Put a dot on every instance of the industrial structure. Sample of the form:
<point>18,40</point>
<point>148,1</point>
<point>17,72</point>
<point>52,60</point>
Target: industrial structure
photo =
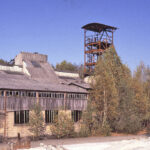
<point>97,38</point>
<point>33,80</point>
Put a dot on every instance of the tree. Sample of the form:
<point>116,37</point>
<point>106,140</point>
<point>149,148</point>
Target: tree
<point>130,95</point>
<point>87,122</point>
<point>142,89</point>
<point>6,63</point>
<point>63,126</point>
<point>104,95</point>
<point>66,66</point>
<point>116,96</point>
<point>127,119</point>
<point>36,122</point>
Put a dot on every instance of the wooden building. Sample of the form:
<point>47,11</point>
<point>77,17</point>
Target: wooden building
<point>33,80</point>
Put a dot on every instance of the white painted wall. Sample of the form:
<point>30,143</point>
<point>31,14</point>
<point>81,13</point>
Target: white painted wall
<point>11,68</point>
<point>25,70</point>
<point>66,74</point>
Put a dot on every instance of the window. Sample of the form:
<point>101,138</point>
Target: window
<point>23,93</point>
<point>21,117</point>
<point>1,93</point>
<point>62,96</point>
<point>76,115</point>
<point>40,95</point>
<point>50,115</point>
<point>16,93</point>
<point>76,96</point>
<point>51,95</point>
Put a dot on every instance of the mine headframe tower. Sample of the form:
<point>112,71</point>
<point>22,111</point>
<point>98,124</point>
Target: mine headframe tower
<point>97,38</point>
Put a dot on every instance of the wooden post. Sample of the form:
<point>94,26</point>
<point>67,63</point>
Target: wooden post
<point>37,97</point>
<point>112,37</point>
<point>5,111</point>
<point>84,51</point>
<point>65,97</point>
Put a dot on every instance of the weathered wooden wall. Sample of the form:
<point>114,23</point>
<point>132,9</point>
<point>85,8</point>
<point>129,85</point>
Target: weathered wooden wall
<point>27,103</point>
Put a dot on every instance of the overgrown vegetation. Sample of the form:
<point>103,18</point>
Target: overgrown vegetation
<point>69,67</point>
<point>63,126</point>
<point>36,122</point>
<point>66,66</point>
<point>6,63</point>
<point>119,101</point>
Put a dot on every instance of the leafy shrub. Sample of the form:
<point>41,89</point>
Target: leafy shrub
<point>129,124</point>
<point>148,128</point>
<point>63,126</point>
<point>84,131</point>
<point>105,129</point>
<point>36,122</point>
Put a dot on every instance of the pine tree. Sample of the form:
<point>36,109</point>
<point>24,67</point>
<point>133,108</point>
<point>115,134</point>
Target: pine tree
<point>36,122</point>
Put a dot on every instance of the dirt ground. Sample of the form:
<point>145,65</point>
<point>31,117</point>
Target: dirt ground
<point>114,137</point>
<point>86,140</point>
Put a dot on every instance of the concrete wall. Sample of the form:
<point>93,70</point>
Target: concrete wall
<point>66,74</point>
<point>29,56</point>
<point>9,68</point>
<point>13,130</point>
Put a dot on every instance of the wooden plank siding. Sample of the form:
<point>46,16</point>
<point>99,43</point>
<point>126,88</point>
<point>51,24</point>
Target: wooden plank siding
<point>27,103</point>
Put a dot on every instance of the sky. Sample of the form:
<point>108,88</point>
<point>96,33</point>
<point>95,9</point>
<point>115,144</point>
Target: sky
<point>53,27</point>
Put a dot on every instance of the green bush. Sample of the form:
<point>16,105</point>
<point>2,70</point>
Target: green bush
<point>105,129</point>
<point>36,122</point>
<point>63,126</point>
<point>84,131</point>
<point>129,124</point>
<point>148,128</point>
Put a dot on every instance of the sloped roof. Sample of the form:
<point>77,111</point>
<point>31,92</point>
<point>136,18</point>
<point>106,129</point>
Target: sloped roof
<point>43,72</point>
<point>76,82</point>
<point>24,82</point>
<point>42,76</point>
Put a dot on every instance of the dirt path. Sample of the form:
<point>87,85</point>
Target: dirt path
<point>80,140</point>
<point>86,140</point>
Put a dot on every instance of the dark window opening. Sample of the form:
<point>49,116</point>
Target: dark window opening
<point>76,115</point>
<point>2,93</point>
<point>17,93</point>
<point>21,117</point>
<point>7,93</point>
<point>34,94</point>
<point>40,95</point>
<point>50,115</point>
<point>49,94</point>
<point>10,93</point>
